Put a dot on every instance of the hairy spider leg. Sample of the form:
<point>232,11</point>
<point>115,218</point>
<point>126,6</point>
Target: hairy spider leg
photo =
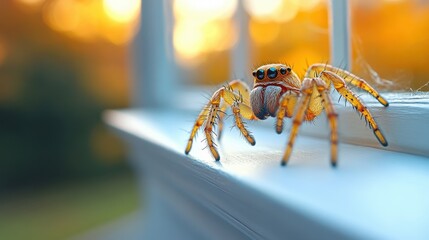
<point>241,88</point>
<point>198,123</point>
<point>332,119</point>
<point>314,93</point>
<point>209,115</point>
<point>286,106</point>
<point>240,109</point>
<point>221,116</point>
<point>341,87</point>
<point>348,77</point>
<point>208,129</point>
<point>307,89</point>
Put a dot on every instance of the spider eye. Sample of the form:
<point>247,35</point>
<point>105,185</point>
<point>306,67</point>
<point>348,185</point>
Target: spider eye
<point>289,69</point>
<point>283,70</point>
<point>260,74</point>
<point>254,73</point>
<point>272,72</point>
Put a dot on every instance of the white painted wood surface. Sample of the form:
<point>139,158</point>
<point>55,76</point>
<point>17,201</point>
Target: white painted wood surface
<point>405,122</point>
<point>372,194</point>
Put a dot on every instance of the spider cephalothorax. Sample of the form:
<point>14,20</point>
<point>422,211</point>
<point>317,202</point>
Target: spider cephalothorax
<point>271,82</point>
<point>279,92</point>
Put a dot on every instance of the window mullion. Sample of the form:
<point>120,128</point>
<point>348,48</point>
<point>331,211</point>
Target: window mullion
<point>339,23</point>
<point>154,66</point>
<point>240,52</point>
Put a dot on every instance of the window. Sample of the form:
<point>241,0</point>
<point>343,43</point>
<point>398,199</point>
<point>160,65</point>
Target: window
<point>248,194</point>
<point>390,45</point>
<point>167,65</point>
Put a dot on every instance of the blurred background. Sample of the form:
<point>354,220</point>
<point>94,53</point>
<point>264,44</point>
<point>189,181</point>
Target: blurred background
<point>63,62</point>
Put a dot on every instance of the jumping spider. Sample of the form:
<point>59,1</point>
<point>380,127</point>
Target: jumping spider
<point>278,92</point>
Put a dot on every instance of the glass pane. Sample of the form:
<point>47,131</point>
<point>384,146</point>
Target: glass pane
<point>390,42</point>
<point>203,35</point>
<point>285,31</point>
<point>288,31</point>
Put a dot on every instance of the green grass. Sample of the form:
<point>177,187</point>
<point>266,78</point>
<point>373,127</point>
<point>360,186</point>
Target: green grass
<point>65,210</point>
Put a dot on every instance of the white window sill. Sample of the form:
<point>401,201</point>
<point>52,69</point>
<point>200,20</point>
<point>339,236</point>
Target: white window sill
<point>404,123</point>
<point>373,193</point>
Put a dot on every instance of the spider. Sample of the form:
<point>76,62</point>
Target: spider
<point>278,92</point>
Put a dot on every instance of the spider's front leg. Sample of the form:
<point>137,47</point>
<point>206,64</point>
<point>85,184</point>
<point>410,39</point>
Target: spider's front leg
<point>346,77</point>
<point>309,86</point>
<point>235,95</point>
<point>286,106</point>
<point>339,84</point>
<point>241,88</point>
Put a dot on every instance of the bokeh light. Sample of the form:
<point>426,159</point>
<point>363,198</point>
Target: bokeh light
<point>122,11</point>
<point>202,27</point>
<point>309,5</point>
<point>113,20</point>
<point>262,9</point>
<point>269,30</point>
<point>31,2</point>
<point>205,32</point>
<point>204,10</point>
<point>64,15</point>
<point>279,10</point>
